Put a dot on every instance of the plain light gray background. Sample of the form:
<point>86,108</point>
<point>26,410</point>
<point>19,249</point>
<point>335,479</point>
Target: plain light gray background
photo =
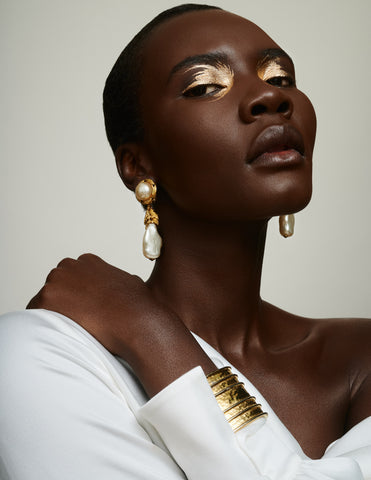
<point>61,196</point>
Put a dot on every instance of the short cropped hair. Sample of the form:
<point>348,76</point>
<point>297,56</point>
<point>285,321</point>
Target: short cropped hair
<point>121,95</point>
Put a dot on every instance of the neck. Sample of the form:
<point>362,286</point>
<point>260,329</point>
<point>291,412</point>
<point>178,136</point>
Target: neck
<point>209,274</point>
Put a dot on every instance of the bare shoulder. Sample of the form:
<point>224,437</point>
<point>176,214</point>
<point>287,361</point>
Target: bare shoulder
<point>345,346</point>
<point>341,343</point>
<point>351,335</point>
<point>333,356</point>
<point>349,339</point>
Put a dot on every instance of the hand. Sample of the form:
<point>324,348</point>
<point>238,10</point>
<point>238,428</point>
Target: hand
<point>114,306</point>
<point>119,310</point>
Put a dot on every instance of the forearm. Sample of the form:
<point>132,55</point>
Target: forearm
<point>163,356</point>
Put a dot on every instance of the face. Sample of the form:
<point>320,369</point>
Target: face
<point>228,133</point>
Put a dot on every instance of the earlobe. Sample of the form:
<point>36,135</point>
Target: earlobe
<point>133,164</point>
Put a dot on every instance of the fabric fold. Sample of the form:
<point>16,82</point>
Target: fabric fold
<point>69,409</point>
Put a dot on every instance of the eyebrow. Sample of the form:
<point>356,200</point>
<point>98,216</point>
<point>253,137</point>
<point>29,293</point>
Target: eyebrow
<point>271,53</point>
<point>214,59</point>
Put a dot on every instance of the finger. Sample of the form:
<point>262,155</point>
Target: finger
<point>89,257</point>
<point>34,302</point>
<point>66,262</point>
<point>52,275</point>
<point>40,300</point>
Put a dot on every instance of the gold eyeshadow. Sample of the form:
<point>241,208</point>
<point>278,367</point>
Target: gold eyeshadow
<point>208,75</point>
<point>269,68</point>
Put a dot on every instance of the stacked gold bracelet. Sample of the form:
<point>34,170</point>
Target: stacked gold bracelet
<point>238,406</point>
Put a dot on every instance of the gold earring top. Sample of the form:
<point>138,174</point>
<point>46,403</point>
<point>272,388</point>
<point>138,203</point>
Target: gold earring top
<point>145,191</point>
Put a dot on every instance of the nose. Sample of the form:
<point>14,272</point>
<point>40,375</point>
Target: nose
<point>270,101</point>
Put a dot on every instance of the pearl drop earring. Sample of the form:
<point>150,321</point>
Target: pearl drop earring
<point>287,223</point>
<point>145,193</point>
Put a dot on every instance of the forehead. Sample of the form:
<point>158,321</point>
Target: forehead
<point>201,32</point>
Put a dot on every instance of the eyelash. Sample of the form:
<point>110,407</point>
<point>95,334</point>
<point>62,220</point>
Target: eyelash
<point>201,90</point>
<point>279,81</point>
<point>210,89</point>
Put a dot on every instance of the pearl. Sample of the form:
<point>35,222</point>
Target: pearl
<point>143,191</point>
<point>287,223</point>
<point>152,242</point>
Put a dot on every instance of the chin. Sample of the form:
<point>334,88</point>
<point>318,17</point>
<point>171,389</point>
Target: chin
<point>293,199</point>
<point>299,204</point>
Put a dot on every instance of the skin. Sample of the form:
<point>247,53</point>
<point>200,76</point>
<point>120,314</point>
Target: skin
<point>214,206</point>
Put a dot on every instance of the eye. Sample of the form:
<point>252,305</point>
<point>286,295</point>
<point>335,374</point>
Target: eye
<point>281,81</point>
<point>202,90</point>
<point>205,81</point>
<point>277,72</point>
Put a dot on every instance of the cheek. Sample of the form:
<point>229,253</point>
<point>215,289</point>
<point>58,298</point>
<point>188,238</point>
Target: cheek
<point>305,116</point>
<point>197,150</point>
<point>199,155</point>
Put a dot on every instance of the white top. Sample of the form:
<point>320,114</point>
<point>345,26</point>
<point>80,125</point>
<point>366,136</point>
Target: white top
<point>69,410</point>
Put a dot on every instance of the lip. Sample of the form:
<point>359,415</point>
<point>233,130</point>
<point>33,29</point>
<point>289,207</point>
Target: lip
<point>277,145</point>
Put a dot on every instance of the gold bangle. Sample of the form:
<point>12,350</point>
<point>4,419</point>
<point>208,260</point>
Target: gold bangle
<point>221,385</point>
<point>238,406</point>
<point>218,375</point>
<point>230,396</point>
<point>244,421</point>
<point>247,413</point>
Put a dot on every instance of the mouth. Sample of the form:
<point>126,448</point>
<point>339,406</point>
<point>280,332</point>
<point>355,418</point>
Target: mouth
<point>277,145</point>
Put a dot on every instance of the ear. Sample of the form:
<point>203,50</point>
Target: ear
<point>133,164</point>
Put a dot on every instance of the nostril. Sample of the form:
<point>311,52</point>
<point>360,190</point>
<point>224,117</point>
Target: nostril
<point>284,107</point>
<point>258,109</point>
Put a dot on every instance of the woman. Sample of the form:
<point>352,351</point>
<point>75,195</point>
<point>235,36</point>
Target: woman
<point>202,104</point>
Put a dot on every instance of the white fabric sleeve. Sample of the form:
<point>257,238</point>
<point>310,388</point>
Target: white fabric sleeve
<point>62,415</point>
<point>191,424</point>
<point>355,444</point>
<point>207,447</point>
<point>65,415</point>
<point>277,460</point>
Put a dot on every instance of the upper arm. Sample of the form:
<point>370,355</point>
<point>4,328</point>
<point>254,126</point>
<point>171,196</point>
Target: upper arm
<point>360,407</point>
<point>360,373</point>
